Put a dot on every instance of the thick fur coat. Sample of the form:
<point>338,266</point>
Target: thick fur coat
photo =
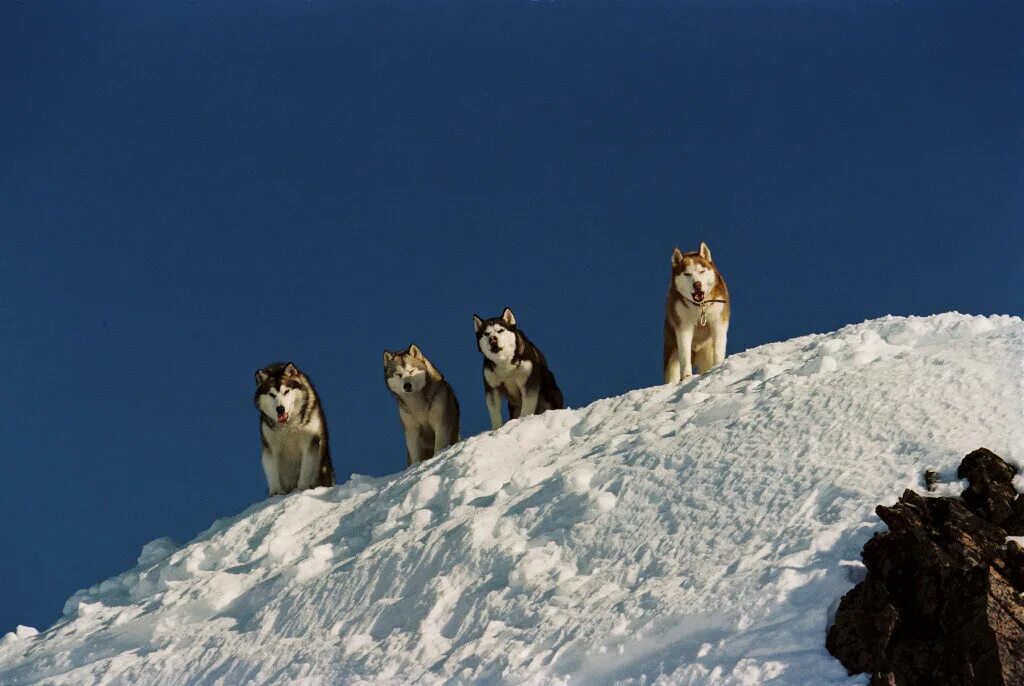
<point>514,369</point>
<point>426,402</point>
<point>294,442</point>
<point>696,315</point>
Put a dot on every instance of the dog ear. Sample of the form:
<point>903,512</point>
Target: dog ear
<point>290,370</point>
<point>677,257</point>
<point>414,350</point>
<point>388,357</point>
<point>705,251</point>
<point>477,323</point>
<point>508,317</point>
<point>261,376</point>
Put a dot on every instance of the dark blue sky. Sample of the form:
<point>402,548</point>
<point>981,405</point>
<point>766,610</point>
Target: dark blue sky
<point>191,190</point>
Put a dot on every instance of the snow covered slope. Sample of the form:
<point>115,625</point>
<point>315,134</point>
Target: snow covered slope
<point>692,534</point>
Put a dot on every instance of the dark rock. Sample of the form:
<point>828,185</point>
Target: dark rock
<point>931,479</point>
<point>941,602</point>
<point>991,494</point>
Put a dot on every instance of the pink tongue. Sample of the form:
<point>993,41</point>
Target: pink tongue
<point>282,418</point>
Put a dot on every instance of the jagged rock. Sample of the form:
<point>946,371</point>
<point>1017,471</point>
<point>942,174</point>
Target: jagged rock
<point>941,602</point>
<point>931,479</point>
<point>991,494</point>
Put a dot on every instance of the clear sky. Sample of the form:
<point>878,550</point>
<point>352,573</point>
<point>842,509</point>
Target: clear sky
<point>191,190</point>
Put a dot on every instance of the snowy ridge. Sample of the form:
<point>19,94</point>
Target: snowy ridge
<point>691,534</point>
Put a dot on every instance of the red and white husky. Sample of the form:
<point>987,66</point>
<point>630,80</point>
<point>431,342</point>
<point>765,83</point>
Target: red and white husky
<point>696,315</point>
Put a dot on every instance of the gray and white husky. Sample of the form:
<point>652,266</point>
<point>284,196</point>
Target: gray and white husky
<point>293,430</point>
<point>426,404</point>
<point>514,369</point>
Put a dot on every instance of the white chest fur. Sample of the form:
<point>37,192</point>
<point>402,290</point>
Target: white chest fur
<point>512,376</point>
<point>290,441</point>
<point>688,313</point>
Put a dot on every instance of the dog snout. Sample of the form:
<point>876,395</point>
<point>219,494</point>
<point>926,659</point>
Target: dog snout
<point>407,386</point>
<point>493,340</point>
<point>280,409</point>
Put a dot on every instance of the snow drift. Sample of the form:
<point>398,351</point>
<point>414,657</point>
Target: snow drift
<point>693,534</point>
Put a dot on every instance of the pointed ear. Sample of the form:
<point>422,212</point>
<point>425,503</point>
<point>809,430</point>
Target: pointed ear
<point>388,357</point>
<point>261,376</point>
<point>414,350</point>
<point>705,251</point>
<point>677,257</point>
<point>477,323</point>
<point>508,317</point>
<point>290,370</point>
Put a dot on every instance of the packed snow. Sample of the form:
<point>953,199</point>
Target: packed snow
<point>699,533</point>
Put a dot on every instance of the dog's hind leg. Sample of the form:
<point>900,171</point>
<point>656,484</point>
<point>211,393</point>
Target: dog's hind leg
<point>672,369</point>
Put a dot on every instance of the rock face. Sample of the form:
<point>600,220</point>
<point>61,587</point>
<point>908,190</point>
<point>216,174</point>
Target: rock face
<point>941,602</point>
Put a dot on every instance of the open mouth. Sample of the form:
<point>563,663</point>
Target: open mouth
<point>698,296</point>
<point>282,418</point>
<point>495,348</point>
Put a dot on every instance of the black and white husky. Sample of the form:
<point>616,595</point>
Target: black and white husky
<point>426,403</point>
<point>514,368</point>
<point>293,430</point>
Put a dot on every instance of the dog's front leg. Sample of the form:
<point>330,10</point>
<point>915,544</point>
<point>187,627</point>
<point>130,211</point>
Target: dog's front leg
<point>270,469</point>
<point>529,400</point>
<point>309,468</point>
<point>493,400</point>
<point>441,433</point>
<point>718,335</point>
<point>684,343</point>
<point>412,446</point>
<point>439,424</point>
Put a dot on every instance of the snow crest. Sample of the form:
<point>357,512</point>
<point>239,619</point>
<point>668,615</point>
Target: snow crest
<point>692,534</point>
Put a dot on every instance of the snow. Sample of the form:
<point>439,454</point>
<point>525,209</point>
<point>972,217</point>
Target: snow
<point>700,533</point>
<point>19,633</point>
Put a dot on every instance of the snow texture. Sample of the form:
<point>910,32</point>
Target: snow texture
<point>700,533</point>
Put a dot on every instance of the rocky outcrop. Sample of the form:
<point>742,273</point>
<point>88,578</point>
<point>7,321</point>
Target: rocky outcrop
<point>942,600</point>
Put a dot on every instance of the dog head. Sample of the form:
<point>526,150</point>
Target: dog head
<point>407,371</point>
<point>694,274</point>
<point>497,338</point>
<point>281,389</point>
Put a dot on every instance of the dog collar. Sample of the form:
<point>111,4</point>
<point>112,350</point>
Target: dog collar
<point>702,302</point>
<point>703,305</point>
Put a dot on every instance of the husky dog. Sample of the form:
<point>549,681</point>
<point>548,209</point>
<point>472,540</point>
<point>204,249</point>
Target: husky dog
<point>426,404</point>
<point>514,368</point>
<point>696,315</point>
<point>293,430</point>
